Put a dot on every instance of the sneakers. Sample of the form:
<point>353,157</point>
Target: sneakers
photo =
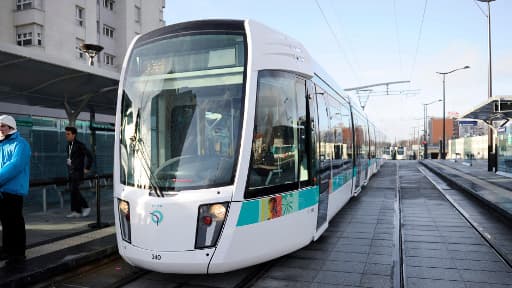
<point>74,215</point>
<point>86,212</point>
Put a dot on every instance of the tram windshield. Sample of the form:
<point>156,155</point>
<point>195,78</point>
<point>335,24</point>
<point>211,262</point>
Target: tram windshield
<point>181,112</point>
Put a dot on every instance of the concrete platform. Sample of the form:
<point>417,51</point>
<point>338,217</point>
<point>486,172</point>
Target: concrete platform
<point>492,189</point>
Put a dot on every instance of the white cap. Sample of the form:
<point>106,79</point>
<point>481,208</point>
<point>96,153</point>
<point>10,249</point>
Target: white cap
<point>8,120</point>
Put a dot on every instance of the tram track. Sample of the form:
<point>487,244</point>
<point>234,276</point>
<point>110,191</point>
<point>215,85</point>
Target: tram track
<point>399,270</point>
<point>481,230</point>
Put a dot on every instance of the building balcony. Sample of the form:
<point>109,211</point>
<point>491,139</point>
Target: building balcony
<point>29,16</point>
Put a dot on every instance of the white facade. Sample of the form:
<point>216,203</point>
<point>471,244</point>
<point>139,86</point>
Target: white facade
<point>56,28</point>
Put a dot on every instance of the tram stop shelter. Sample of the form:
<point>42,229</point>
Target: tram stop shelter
<point>39,80</point>
<point>496,112</point>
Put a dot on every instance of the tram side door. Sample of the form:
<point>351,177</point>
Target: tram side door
<point>319,113</point>
<point>357,153</point>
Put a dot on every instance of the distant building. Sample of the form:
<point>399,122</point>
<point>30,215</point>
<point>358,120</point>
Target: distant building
<point>56,28</point>
<point>435,128</point>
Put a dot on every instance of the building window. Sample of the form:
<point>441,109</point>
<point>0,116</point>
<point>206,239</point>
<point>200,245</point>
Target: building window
<point>108,59</point>
<point>137,14</point>
<point>23,4</point>
<point>80,54</point>
<point>108,31</point>
<point>29,35</point>
<point>24,39</point>
<point>97,26</point>
<point>80,13</point>
<point>109,4</point>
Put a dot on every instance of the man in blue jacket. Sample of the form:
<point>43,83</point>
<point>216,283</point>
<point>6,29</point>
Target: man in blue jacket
<point>14,184</point>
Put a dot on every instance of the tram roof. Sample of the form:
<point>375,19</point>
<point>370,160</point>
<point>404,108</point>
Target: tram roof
<point>33,78</point>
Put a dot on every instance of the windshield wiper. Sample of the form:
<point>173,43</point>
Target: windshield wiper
<point>137,146</point>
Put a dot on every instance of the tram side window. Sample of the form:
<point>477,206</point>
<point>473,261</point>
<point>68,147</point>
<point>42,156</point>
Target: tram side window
<point>341,130</point>
<point>361,147</point>
<point>300,90</point>
<point>278,145</point>
<point>326,139</point>
<point>127,128</point>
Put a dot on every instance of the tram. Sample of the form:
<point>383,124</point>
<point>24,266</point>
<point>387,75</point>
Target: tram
<point>232,148</point>
<point>401,153</point>
<point>386,152</point>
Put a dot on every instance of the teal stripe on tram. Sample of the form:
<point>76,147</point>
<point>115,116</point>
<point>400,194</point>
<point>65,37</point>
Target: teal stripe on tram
<point>308,197</point>
<point>259,210</point>
<point>249,213</point>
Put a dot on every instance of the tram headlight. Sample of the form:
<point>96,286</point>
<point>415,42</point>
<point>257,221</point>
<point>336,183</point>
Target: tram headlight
<point>124,220</point>
<point>210,221</point>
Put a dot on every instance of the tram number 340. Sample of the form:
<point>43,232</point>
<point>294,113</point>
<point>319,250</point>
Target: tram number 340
<point>156,257</point>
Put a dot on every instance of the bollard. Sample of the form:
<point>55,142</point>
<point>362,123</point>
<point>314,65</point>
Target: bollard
<point>98,223</point>
<point>44,200</point>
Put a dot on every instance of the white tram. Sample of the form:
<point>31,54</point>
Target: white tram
<point>232,148</point>
<point>401,153</point>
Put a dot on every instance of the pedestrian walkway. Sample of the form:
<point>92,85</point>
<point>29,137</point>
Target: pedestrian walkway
<point>493,189</point>
<point>56,244</point>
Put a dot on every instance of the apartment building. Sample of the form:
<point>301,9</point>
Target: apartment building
<point>45,75</point>
<point>56,28</point>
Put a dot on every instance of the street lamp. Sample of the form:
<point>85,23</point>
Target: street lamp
<point>490,164</point>
<point>443,151</point>
<point>425,142</point>
<point>91,50</point>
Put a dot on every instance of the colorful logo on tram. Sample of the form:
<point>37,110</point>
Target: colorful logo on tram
<point>156,217</point>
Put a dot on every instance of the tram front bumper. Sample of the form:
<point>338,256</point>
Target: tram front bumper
<point>185,262</point>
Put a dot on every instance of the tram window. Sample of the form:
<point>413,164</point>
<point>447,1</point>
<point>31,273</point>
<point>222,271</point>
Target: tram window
<point>127,128</point>
<point>278,143</point>
<point>326,139</point>
<point>300,89</point>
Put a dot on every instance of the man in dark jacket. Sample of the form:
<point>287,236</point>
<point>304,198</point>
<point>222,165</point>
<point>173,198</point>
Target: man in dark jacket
<point>79,162</point>
<point>14,183</point>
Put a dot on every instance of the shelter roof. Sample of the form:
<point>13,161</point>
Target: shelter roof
<point>33,78</point>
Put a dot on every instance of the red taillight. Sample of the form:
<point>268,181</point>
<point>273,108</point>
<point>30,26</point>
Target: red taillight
<point>207,220</point>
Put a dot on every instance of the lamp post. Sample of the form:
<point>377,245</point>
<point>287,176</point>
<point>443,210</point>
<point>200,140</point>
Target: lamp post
<point>490,164</point>
<point>425,142</point>
<point>443,151</point>
<point>91,50</point>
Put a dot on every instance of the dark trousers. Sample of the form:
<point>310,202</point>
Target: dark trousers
<point>77,200</point>
<point>13,225</point>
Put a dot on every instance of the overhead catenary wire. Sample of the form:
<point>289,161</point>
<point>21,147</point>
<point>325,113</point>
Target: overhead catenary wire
<point>418,40</point>
<point>397,33</point>
<point>351,67</point>
<point>343,34</point>
<point>480,8</point>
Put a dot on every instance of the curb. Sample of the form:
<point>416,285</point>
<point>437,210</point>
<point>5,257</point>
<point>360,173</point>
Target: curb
<point>453,183</point>
<point>45,267</point>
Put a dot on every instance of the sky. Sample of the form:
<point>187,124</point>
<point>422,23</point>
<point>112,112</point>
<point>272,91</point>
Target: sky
<point>367,42</point>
